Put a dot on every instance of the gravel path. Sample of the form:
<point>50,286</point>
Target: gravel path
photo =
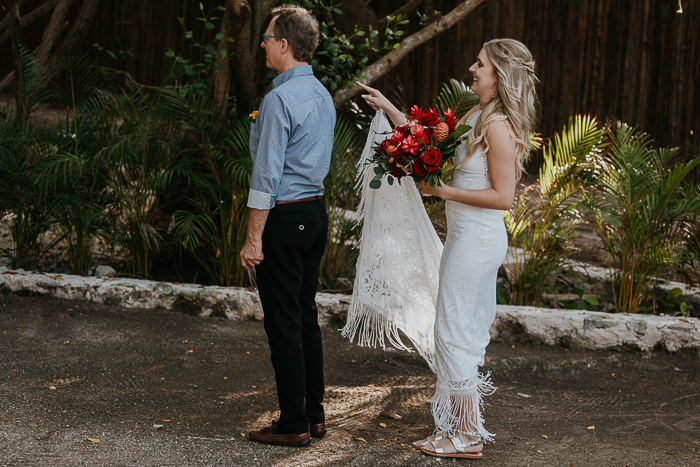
<point>160,388</point>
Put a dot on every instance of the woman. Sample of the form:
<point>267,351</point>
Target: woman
<point>487,169</point>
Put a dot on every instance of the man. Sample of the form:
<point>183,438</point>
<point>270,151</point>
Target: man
<point>290,143</point>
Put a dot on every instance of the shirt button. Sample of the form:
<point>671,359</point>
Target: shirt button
<point>301,227</point>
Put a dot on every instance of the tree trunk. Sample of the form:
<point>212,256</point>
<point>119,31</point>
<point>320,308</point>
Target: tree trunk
<point>53,31</point>
<point>16,28</point>
<point>80,28</point>
<point>72,41</point>
<point>5,23</point>
<point>29,19</point>
<point>261,16</point>
<point>390,60</point>
<point>222,79</point>
<point>244,61</point>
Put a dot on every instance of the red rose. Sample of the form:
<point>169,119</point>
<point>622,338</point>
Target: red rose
<point>432,159</point>
<point>430,118</point>
<point>397,171</point>
<point>419,168</point>
<point>450,120</point>
<point>416,112</point>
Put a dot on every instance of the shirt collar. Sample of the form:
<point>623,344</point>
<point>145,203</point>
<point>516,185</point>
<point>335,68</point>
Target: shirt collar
<point>301,70</point>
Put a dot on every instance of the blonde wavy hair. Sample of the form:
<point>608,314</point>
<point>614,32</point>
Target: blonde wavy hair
<point>515,100</point>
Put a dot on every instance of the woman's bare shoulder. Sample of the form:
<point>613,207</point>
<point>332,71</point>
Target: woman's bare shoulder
<point>500,129</point>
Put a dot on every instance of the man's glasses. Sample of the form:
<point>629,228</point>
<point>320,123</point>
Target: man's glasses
<point>266,37</point>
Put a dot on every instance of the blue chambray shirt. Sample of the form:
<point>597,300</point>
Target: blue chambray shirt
<point>291,140</point>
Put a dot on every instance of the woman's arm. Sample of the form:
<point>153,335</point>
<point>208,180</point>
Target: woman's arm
<point>501,166</point>
<point>377,101</point>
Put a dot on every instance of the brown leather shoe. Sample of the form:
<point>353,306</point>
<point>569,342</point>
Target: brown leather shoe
<point>266,436</point>
<point>316,430</point>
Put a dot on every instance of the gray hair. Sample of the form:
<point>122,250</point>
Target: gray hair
<point>299,28</point>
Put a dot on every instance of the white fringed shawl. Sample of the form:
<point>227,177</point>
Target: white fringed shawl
<point>398,266</point>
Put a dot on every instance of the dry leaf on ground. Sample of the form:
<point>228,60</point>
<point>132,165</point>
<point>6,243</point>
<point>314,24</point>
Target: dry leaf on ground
<point>94,440</point>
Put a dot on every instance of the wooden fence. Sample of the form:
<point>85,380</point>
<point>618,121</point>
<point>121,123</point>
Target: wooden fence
<point>635,60</point>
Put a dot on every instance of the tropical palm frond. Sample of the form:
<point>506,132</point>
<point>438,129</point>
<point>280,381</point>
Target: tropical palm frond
<point>580,139</point>
<point>76,81</point>
<point>32,88</point>
<point>457,96</point>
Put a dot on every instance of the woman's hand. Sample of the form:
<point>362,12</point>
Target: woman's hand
<point>428,190</point>
<point>377,101</point>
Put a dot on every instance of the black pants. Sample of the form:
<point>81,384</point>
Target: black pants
<point>293,243</point>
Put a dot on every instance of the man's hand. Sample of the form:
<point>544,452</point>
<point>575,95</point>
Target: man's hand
<point>251,253</point>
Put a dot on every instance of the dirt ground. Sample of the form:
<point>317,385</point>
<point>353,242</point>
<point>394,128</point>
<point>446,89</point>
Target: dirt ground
<point>73,374</point>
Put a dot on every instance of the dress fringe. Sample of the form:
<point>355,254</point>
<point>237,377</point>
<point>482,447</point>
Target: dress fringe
<point>457,406</point>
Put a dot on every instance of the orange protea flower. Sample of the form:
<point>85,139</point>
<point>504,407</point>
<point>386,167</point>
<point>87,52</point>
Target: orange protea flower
<point>441,131</point>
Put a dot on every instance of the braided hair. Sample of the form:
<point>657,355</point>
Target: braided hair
<point>515,100</point>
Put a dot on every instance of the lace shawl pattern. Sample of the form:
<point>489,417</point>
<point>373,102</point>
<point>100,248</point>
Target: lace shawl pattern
<point>397,286</point>
<point>397,277</point>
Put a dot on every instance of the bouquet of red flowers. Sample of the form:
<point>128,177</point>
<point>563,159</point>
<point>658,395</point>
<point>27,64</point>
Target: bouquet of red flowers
<point>419,148</point>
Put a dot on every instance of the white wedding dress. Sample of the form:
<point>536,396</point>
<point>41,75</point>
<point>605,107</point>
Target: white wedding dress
<point>465,305</point>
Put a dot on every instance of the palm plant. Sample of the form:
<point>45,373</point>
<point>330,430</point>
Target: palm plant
<point>639,208</point>
<point>18,157</point>
<point>337,269</point>
<point>212,226</point>
<point>19,198</point>
<point>541,222</point>
<point>73,170</point>
<point>145,170</point>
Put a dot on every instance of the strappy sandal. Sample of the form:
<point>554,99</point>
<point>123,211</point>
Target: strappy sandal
<point>460,449</point>
<point>419,444</point>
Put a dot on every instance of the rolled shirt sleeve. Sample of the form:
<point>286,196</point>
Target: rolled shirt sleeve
<point>268,152</point>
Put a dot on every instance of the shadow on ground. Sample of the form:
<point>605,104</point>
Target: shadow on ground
<point>73,373</point>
